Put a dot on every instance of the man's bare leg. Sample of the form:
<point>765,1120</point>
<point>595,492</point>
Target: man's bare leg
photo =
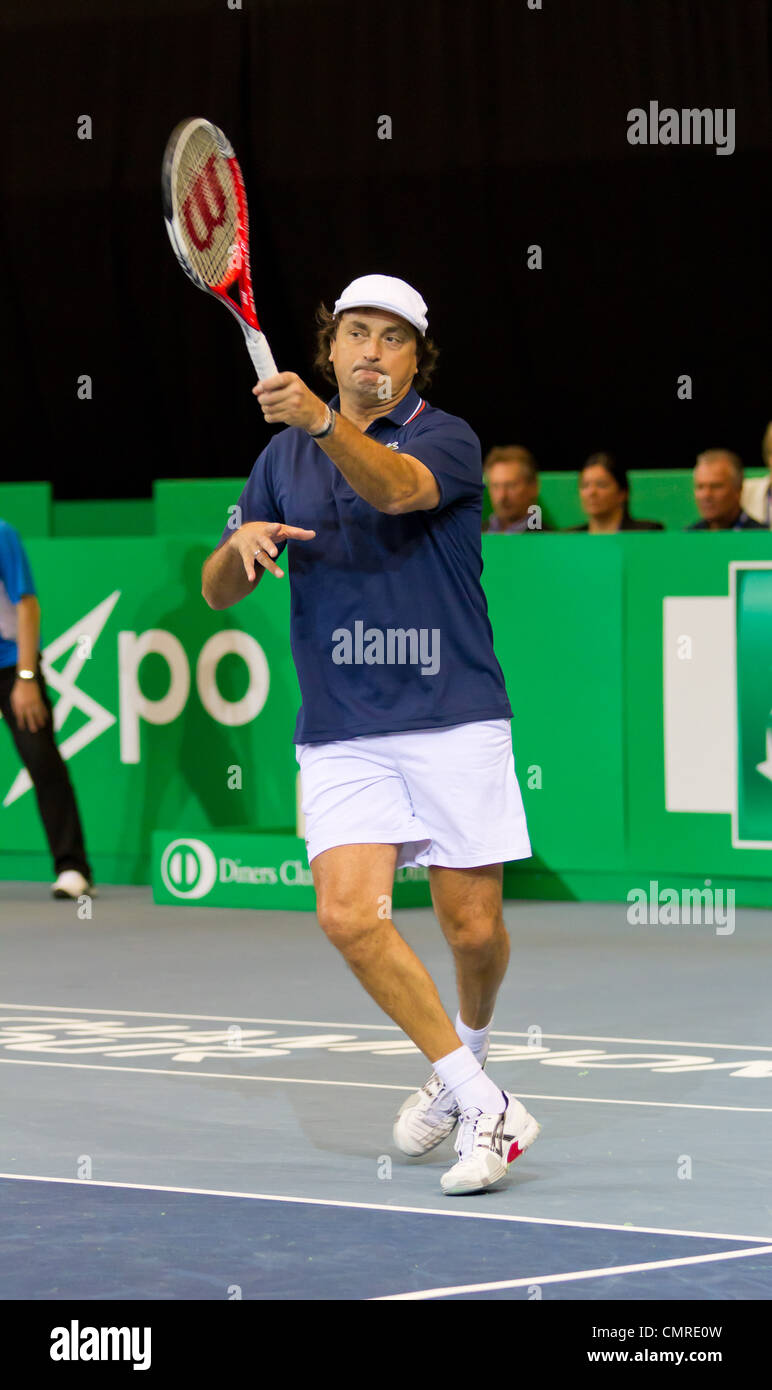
<point>353,883</point>
<point>468,904</point>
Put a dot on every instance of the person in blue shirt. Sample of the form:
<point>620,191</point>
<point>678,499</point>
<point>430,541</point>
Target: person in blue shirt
<point>403,735</point>
<point>26,708</point>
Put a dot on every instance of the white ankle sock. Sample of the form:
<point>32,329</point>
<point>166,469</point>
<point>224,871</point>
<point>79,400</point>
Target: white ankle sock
<point>476,1039</point>
<point>462,1074</point>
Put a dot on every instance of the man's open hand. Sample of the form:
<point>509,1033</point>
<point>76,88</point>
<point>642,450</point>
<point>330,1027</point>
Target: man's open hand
<point>285,399</point>
<point>257,543</point>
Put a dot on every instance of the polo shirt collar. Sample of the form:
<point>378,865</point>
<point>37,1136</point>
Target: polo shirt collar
<point>401,413</point>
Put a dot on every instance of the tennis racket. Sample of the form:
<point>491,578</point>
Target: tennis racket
<point>205,210</point>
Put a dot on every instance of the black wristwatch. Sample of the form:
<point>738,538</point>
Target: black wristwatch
<point>328,427</point>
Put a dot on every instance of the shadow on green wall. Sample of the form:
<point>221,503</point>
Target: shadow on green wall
<point>533,878</point>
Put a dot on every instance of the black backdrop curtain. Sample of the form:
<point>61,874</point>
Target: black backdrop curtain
<point>509,129</point>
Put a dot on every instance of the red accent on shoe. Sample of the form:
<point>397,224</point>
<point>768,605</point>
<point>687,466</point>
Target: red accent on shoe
<point>514,1151</point>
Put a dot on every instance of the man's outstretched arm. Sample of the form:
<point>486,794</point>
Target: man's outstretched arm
<point>391,481</point>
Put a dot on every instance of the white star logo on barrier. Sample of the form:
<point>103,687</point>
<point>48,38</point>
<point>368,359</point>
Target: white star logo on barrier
<point>65,683</point>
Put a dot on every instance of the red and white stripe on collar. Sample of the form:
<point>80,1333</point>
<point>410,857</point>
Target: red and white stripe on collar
<point>417,411</point>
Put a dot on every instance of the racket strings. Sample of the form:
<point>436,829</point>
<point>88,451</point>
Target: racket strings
<point>207,209</point>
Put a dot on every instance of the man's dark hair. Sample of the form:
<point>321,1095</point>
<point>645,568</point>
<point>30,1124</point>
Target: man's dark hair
<point>327,327</point>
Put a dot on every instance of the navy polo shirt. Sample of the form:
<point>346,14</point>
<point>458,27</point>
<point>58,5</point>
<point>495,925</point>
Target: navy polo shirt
<point>389,622</point>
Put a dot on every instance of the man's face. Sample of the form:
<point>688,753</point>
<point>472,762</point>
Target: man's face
<point>716,491</point>
<point>373,349</point>
<point>510,492</point>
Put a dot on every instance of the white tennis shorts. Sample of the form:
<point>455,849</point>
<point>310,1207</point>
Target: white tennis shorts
<point>446,796</point>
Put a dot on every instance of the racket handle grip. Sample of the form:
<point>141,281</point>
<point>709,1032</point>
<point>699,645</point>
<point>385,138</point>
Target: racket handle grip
<point>259,351</point>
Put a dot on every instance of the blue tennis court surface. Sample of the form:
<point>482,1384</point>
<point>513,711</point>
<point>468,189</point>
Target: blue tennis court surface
<point>199,1106</point>
<point>85,1241</point>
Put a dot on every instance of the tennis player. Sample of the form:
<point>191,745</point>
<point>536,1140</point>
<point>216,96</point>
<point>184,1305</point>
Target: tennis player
<point>403,737</point>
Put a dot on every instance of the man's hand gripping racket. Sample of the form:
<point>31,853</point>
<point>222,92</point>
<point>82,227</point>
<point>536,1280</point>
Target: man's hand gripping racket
<point>205,210</point>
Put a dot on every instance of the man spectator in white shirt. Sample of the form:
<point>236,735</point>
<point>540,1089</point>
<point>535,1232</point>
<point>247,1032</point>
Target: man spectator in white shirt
<point>757,492</point>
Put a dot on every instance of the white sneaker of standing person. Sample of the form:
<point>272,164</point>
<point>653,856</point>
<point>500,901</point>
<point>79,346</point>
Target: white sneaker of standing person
<point>71,884</point>
<point>486,1146</point>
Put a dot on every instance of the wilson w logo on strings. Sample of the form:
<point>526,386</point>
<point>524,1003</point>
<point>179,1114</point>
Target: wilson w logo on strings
<point>207,197</point>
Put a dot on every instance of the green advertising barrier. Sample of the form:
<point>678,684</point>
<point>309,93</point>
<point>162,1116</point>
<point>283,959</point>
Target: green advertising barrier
<point>167,712</point>
<point>189,506</point>
<point>752,602</point>
<point>687,669</point>
<point>27,507</point>
<point>131,517</point>
<point>229,869</point>
<point>173,716</point>
<point>185,505</point>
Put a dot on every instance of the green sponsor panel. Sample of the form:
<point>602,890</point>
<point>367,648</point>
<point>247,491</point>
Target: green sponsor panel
<point>667,842</point>
<point>166,712</point>
<point>523,881</point>
<point>559,500</point>
<point>185,505</point>
<point>27,506</point>
<point>411,888</point>
<point>753,609</point>
<point>556,613</point>
<point>131,517</point>
<point>666,496</point>
<point>233,869</point>
<point>171,715</point>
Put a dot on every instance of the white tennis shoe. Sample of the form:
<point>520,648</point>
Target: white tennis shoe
<point>486,1145</point>
<point>426,1118</point>
<point>71,884</point>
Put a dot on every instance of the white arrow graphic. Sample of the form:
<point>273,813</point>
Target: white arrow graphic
<point>65,683</point>
<point>765,768</point>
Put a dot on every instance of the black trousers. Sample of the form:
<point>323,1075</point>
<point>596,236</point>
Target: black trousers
<point>50,778</point>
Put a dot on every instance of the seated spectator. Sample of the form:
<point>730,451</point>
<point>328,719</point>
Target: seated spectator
<point>604,492</point>
<point>757,492</point>
<point>512,479</point>
<point>718,485</point>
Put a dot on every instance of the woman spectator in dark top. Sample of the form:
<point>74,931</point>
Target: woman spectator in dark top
<point>604,493</point>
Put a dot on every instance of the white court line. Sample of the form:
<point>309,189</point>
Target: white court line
<point>385,1206</point>
<point>365,1085</point>
<point>377,1027</point>
<point>569,1278</point>
<point>214,1075</point>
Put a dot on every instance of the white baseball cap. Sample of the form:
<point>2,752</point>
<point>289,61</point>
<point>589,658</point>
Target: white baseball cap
<point>385,292</point>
